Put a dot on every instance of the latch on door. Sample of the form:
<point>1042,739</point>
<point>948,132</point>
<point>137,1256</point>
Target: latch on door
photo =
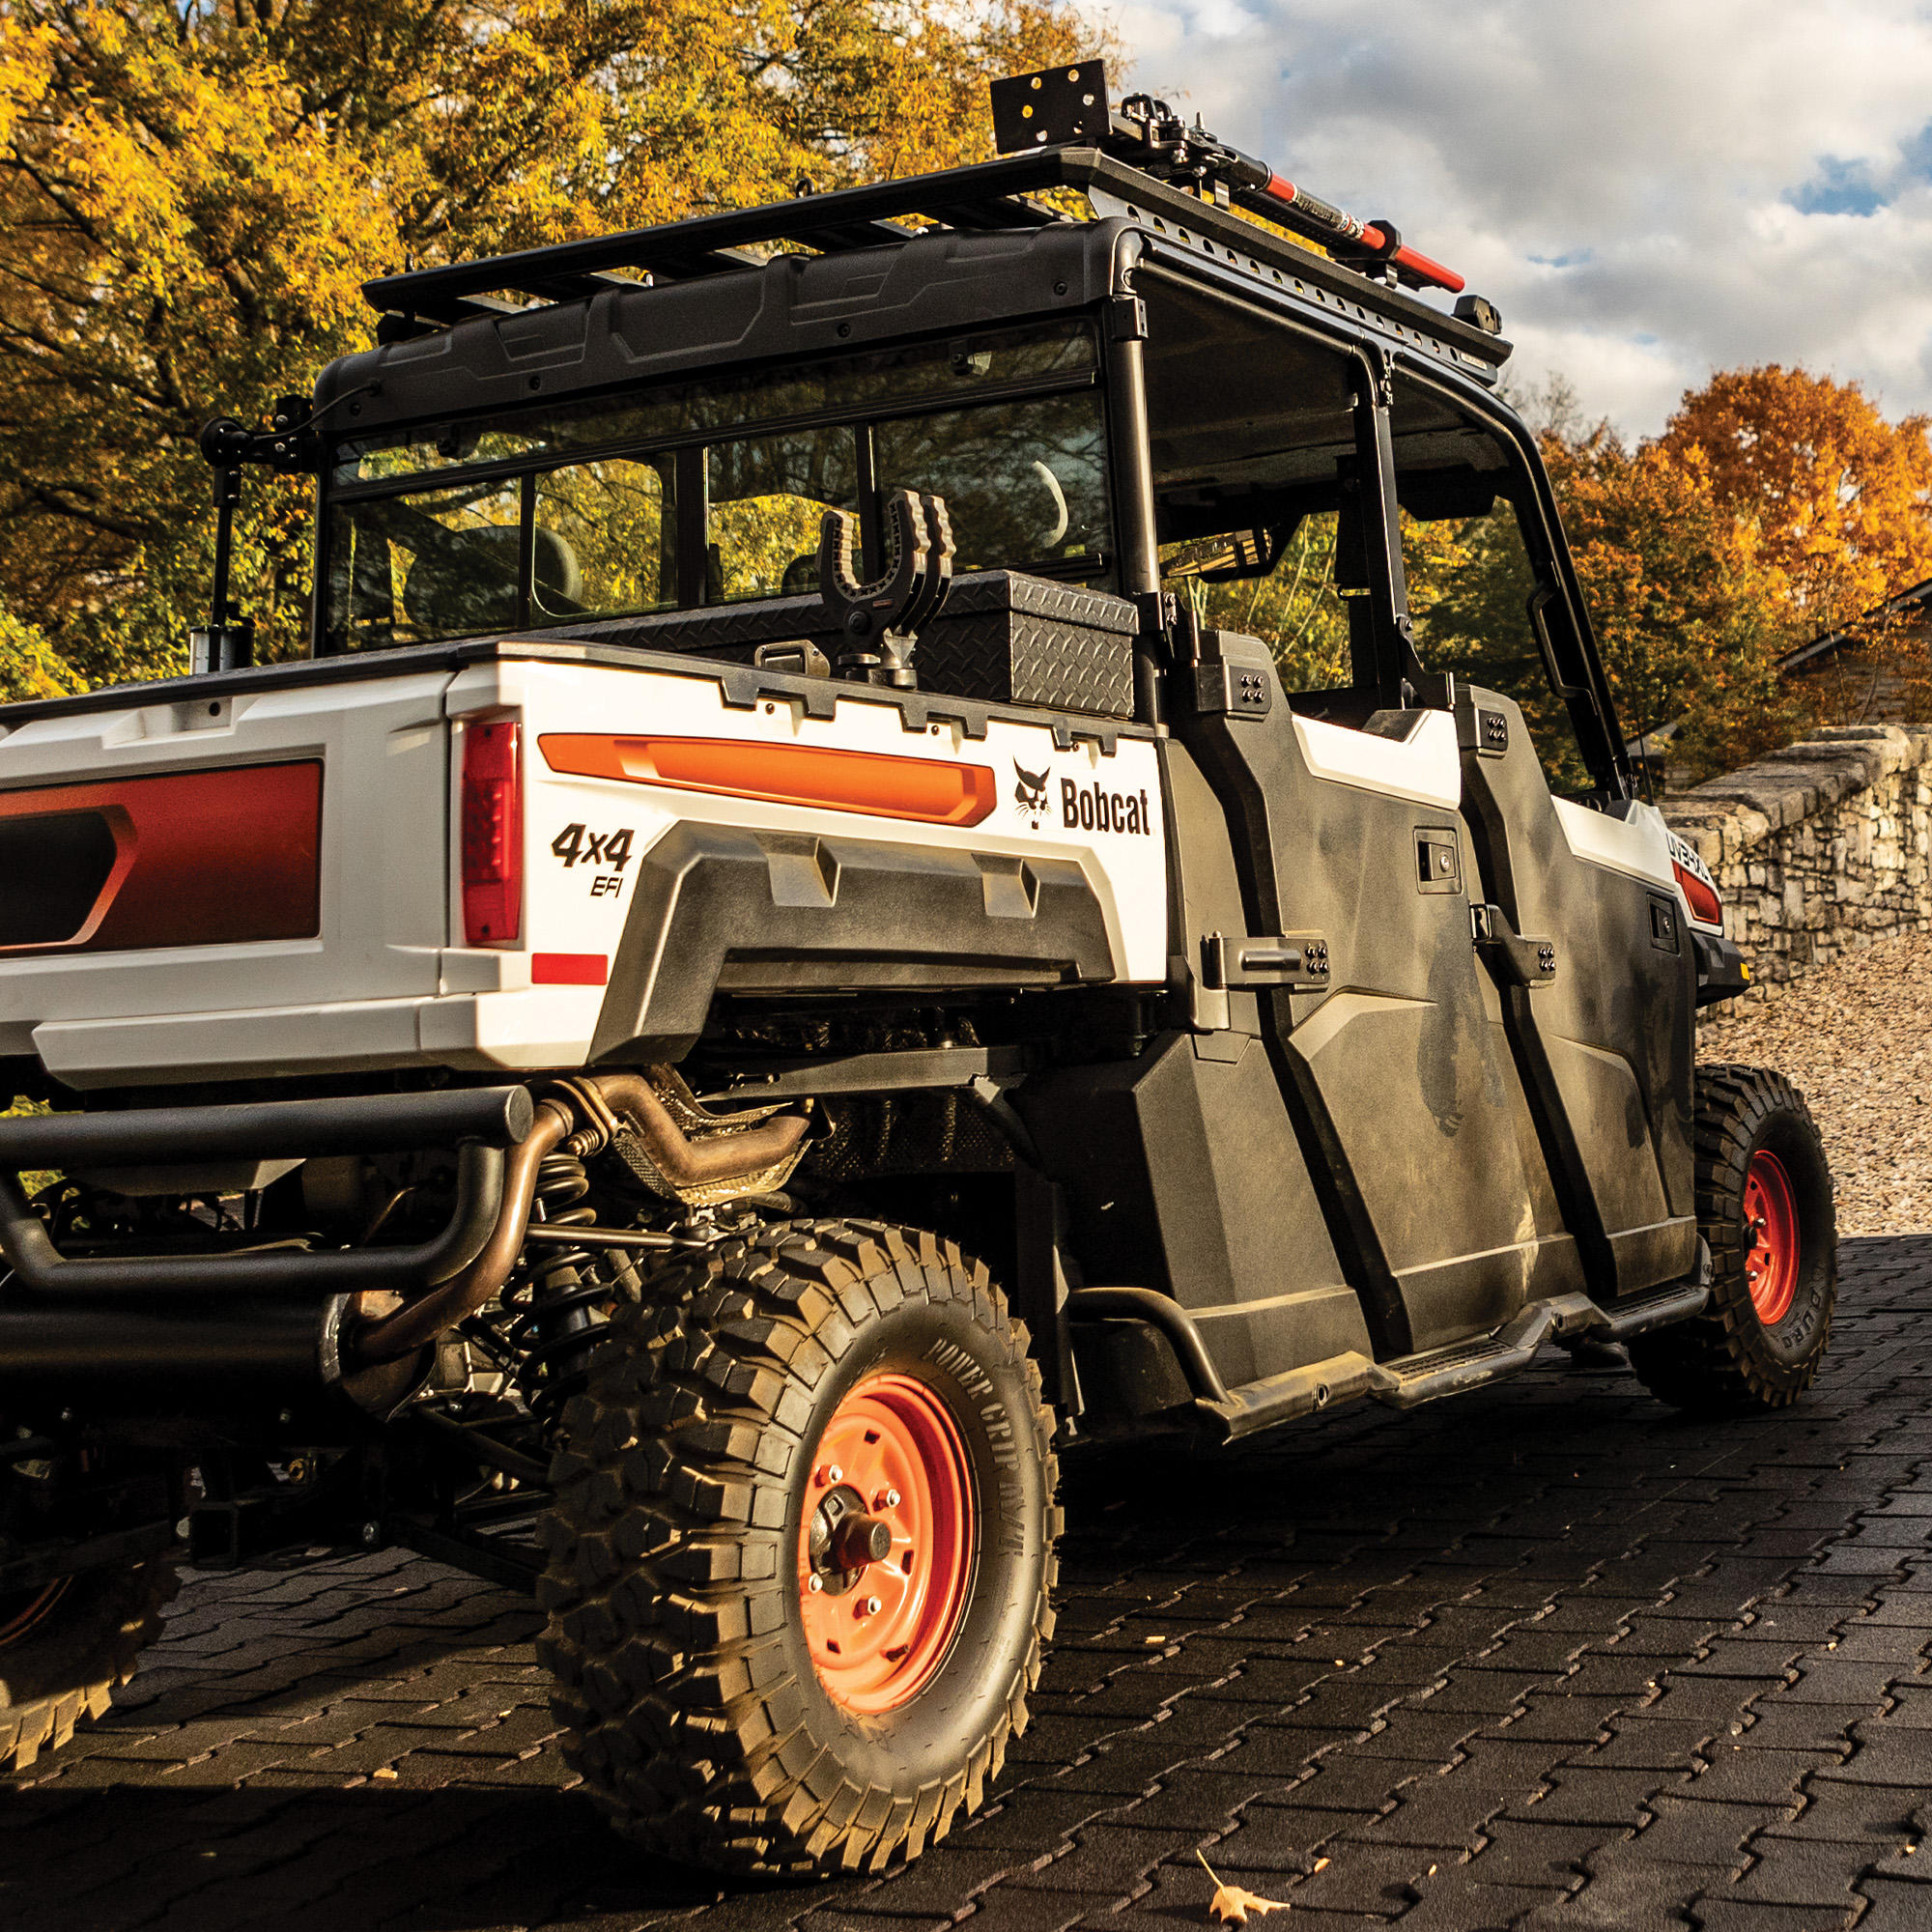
<point>1439,863</point>
<point>1520,961</point>
<point>1283,959</point>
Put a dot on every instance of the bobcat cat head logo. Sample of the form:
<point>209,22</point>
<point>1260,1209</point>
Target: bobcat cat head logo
<point>1029,794</point>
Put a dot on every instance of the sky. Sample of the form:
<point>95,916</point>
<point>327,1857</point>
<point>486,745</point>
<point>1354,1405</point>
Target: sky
<point>1650,190</point>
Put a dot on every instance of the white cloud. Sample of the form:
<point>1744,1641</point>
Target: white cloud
<point>1650,190</point>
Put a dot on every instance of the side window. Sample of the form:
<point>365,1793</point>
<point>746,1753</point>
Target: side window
<point>1474,595</point>
<point>436,563</point>
<point>604,542</point>
<point>768,497</point>
<point>1025,483</point>
<point>1286,595</point>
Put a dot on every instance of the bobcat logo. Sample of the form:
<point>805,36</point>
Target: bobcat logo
<point>1029,794</point>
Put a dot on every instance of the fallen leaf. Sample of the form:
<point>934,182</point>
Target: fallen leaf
<point>1321,1865</point>
<point>1153,1639</point>
<point>1231,1903</point>
<point>383,1772</point>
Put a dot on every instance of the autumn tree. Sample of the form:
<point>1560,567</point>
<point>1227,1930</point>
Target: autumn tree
<point>1841,500</point>
<point>1840,497</point>
<point>192,192</point>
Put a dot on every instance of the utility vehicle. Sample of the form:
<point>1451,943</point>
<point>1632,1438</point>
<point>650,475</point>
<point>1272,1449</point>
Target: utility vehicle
<point>791,956</point>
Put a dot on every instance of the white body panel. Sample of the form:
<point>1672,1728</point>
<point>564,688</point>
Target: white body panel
<point>387,983</point>
<point>1638,846</point>
<point>1641,845</point>
<point>1426,767</point>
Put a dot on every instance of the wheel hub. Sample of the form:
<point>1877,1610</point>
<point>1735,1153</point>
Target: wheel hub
<point>1771,1237</point>
<point>886,1551</point>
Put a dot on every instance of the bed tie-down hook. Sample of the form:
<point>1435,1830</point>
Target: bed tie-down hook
<point>880,621</point>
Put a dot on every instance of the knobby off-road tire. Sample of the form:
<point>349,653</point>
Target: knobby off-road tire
<point>1764,1205</point>
<point>66,1648</point>
<point>842,1400</point>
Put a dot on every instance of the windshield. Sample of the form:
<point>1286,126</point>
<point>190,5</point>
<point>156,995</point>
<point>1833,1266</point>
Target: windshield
<point>714,493</point>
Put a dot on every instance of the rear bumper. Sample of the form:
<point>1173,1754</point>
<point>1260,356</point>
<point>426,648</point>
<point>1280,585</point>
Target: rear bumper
<point>513,1028</point>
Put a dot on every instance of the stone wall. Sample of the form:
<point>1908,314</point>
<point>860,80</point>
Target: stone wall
<point>1818,849</point>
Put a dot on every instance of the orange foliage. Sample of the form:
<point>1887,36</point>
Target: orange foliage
<point>1841,499</point>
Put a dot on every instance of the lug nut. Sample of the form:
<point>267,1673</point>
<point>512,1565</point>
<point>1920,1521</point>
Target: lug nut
<point>885,1499</point>
<point>868,1608</point>
<point>831,1473</point>
<point>815,1584</point>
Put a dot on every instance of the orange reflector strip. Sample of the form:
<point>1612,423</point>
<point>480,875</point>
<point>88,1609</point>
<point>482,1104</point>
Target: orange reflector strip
<point>570,969</point>
<point>870,782</point>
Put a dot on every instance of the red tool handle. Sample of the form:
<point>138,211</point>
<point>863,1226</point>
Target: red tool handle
<point>1329,223</point>
<point>1417,265</point>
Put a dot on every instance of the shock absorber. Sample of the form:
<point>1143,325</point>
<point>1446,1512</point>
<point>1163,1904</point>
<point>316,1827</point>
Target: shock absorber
<point>547,1319</point>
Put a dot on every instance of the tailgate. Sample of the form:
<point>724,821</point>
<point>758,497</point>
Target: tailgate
<point>226,884</point>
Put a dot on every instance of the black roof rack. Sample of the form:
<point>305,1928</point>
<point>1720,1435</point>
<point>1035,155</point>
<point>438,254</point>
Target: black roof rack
<point>987,196</point>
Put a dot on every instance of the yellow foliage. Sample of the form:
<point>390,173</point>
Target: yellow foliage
<point>192,195</point>
<point>1841,499</point>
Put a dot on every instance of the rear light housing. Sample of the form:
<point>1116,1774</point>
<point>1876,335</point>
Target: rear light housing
<point>1700,895</point>
<point>493,833</point>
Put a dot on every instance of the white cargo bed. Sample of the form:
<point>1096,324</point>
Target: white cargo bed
<point>386,978</point>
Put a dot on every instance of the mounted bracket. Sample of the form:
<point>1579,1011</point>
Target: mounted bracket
<point>1285,959</point>
<point>1516,961</point>
<point>881,618</point>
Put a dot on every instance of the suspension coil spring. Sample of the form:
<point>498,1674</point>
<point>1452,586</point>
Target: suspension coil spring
<point>547,1315</point>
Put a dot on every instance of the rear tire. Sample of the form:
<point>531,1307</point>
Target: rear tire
<point>1764,1207</point>
<point>842,1401</point>
<point>65,1649</point>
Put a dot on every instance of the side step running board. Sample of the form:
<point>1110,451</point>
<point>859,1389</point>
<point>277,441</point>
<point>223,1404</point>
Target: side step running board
<point>1418,1379</point>
<point>1228,1414</point>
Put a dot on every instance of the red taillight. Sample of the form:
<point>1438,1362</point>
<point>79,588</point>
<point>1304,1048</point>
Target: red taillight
<point>1702,898</point>
<point>493,835</point>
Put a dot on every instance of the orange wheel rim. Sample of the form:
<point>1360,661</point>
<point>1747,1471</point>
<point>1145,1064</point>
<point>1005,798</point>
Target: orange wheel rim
<point>886,1550</point>
<point>1771,1238</point>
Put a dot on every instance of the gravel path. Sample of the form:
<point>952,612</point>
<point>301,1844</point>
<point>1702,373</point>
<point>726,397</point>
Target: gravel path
<point>1857,1038</point>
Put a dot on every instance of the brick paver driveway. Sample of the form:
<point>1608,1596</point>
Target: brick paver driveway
<point>1544,1656</point>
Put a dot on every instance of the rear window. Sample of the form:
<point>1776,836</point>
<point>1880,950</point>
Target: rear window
<point>710,495</point>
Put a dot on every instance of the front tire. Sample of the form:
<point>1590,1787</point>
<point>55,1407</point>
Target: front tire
<point>1764,1207</point>
<point>801,1553</point>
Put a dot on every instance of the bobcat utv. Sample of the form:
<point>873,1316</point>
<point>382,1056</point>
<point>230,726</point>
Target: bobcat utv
<point>772,972</point>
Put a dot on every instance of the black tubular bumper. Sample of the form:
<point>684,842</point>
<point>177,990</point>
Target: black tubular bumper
<point>208,1330</point>
<point>481,1121</point>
